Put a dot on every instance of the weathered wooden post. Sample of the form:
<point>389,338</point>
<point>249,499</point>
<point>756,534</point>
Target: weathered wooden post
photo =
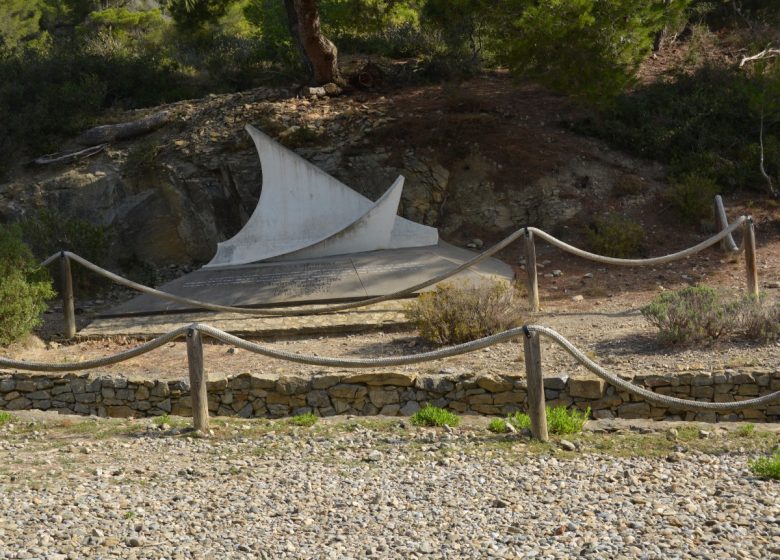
<point>719,224</point>
<point>66,291</point>
<point>530,270</point>
<point>533,373</point>
<point>750,256</point>
<point>200,403</point>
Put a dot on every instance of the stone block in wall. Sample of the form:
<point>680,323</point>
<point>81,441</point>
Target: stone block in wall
<point>749,390</point>
<point>245,411</point>
<point>434,384</point>
<point>327,411</point>
<point>262,381</point>
<point>318,399</point>
<point>741,378</point>
<point>347,391</point>
<point>369,409</point>
<point>164,405</point>
<point>390,410</point>
<point>292,385</point>
<point>494,384</point>
<point>121,394</point>
<point>7,385</point>
<point>141,405</point>
<point>702,379</point>
<point>227,397</point>
<point>25,385</point>
<point>458,406</point>
<point>483,398</point>
<point>509,397</point>
<point>225,411</point>
<point>142,393</point>
<point>753,414</point>
<point>160,389</point>
<point>551,394</point>
<point>87,397</point>
<point>409,408</point>
<point>706,417</point>
<point>397,379</point>
<point>586,387</point>
<point>297,401</point>
<point>259,408</point>
<point>302,410</point>
<point>242,382</point>
<point>491,409</point>
<point>38,395</point>
<point>723,388</point>
<point>216,384</point>
<point>341,405</point>
<point>603,414</point>
<point>325,381</point>
<point>764,380</point>
<point>564,400</point>
<point>440,403</point>
<point>773,410</point>
<point>380,396</point>
<point>702,391</point>
<point>108,393</point>
<point>775,384</point>
<point>43,383</point>
<point>120,412</point>
<point>718,397</point>
<point>60,389</point>
<point>657,381</point>
<point>608,401</point>
<point>556,382</point>
<point>272,398</point>
<point>634,410</point>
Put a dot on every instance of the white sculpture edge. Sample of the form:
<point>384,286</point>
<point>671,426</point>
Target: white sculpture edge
<point>303,212</point>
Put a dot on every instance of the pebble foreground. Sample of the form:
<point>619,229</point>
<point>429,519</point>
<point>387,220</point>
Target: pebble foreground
<point>378,489</point>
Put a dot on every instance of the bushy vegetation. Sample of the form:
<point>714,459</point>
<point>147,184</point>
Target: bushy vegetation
<point>560,420</point>
<point>453,315</point>
<point>5,417</point>
<point>691,197</point>
<point>49,232</point>
<point>699,314</point>
<point>767,467</point>
<point>614,235</point>
<point>434,416</point>
<point>305,420</point>
<point>24,287</point>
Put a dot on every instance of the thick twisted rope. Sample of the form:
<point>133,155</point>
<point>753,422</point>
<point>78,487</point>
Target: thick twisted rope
<point>723,221</point>
<point>641,262</point>
<point>650,396</point>
<point>407,291</point>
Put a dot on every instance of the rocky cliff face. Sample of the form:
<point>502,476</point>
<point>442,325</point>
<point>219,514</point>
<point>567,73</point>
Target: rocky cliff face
<point>479,162</point>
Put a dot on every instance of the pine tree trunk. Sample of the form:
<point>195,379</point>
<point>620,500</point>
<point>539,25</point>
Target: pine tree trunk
<point>322,53</point>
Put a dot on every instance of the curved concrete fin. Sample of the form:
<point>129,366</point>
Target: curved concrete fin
<point>370,232</point>
<point>300,205</point>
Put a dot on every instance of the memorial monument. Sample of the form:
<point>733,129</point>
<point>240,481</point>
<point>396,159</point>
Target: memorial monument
<point>312,239</point>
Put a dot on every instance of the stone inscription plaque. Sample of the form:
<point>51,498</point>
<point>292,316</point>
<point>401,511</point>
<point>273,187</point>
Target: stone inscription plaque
<point>333,279</point>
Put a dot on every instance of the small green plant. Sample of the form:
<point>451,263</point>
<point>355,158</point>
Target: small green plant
<point>693,314</point>
<point>452,315</point>
<point>24,287</point>
<point>691,196</point>
<point>497,426</point>
<point>628,184</point>
<point>307,419</point>
<point>162,419</point>
<point>129,514</point>
<point>5,417</point>
<point>560,420</point>
<point>746,430</point>
<point>758,320</point>
<point>434,416</point>
<point>614,235</point>
<point>767,467</point>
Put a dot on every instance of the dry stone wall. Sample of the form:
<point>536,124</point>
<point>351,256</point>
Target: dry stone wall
<point>390,393</point>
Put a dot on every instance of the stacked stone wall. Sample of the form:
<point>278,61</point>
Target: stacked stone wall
<point>390,393</point>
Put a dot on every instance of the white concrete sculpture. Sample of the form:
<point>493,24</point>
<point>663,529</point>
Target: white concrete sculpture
<point>304,213</point>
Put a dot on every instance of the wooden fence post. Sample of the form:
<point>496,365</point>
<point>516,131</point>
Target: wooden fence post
<point>200,403</point>
<point>719,225</point>
<point>750,256</point>
<point>530,270</point>
<point>66,292</point>
<point>533,373</point>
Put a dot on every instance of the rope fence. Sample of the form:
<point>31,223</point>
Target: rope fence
<point>533,364</point>
<point>529,233</point>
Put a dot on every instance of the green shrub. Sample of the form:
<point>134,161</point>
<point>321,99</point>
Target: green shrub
<point>434,416</point>
<point>49,232</point>
<point>24,287</point>
<point>693,314</point>
<point>746,430</point>
<point>767,467</point>
<point>5,417</point>
<point>691,197</point>
<point>452,315</point>
<point>497,426</point>
<point>616,236</point>
<point>560,420</point>
<point>697,314</point>
<point>757,320</point>
<point>306,420</point>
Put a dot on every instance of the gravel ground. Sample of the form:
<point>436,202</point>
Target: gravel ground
<point>380,488</point>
